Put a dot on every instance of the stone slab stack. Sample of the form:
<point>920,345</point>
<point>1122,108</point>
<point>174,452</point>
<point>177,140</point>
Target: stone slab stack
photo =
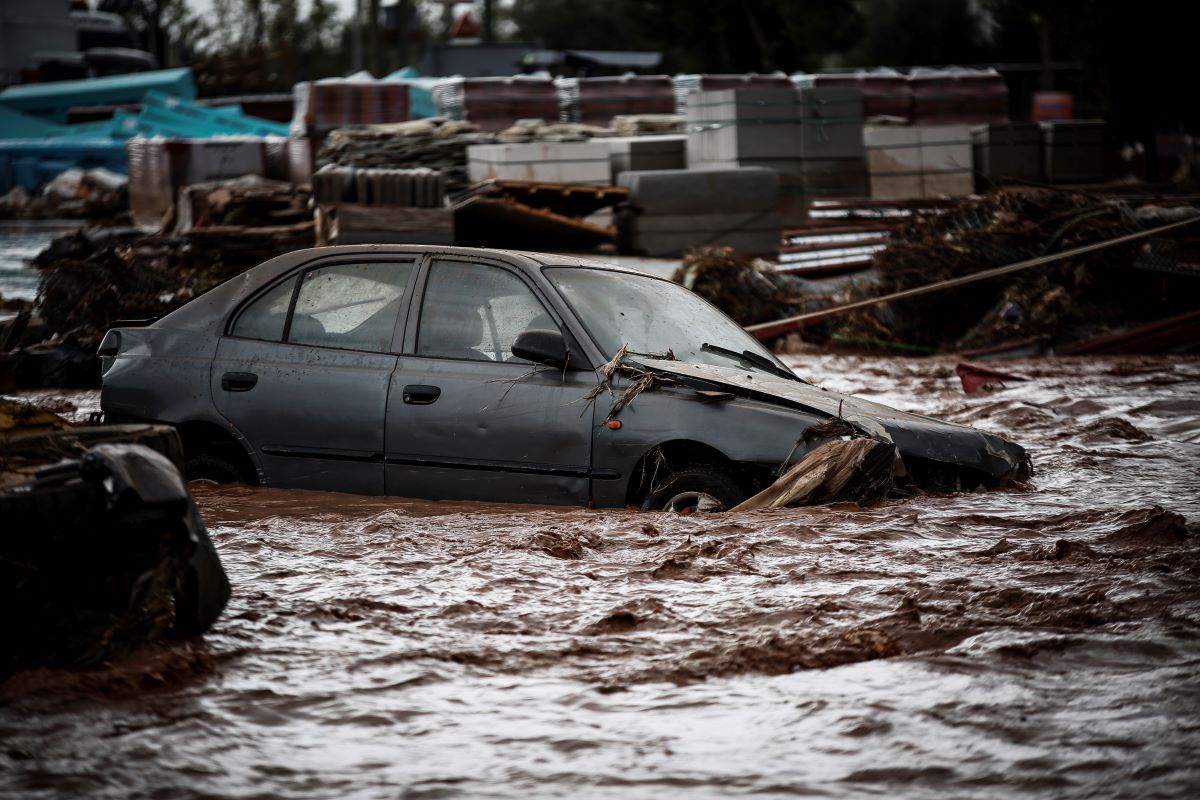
<point>922,161</point>
<point>812,137</point>
<point>1073,151</point>
<point>1007,150</point>
<point>545,162</point>
<point>642,153</point>
<point>670,211</point>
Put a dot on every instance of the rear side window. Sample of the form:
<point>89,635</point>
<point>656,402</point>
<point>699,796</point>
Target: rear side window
<point>351,306</point>
<point>266,317</point>
<point>348,306</point>
<point>474,312</point>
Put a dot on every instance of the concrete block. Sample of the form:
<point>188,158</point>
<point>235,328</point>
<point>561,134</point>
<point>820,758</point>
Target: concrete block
<point>702,191</point>
<point>642,153</point>
<point>1007,150</point>
<point>1073,151</point>
<point>549,162</point>
<point>831,122</point>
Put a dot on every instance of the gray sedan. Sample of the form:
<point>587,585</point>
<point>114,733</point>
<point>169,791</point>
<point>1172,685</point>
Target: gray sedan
<point>456,373</point>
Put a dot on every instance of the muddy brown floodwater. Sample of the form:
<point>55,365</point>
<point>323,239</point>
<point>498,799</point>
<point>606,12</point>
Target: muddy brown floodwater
<point>1034,643</point>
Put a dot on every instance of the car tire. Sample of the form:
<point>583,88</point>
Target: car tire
<point>685,490</point>
<point>210,467</point>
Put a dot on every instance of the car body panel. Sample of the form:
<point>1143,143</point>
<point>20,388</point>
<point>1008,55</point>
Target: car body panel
<point>499,430</point>
<point>315,415</point>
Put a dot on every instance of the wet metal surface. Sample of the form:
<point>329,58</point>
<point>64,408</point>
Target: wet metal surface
<point>1036,643</point>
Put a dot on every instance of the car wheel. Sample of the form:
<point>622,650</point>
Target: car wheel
<point>694,489</point>
<point>213,468</point>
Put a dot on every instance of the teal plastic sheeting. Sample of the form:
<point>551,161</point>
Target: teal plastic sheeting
<point>51,100</point>
<point>32,162</point>
<point>15,125</point>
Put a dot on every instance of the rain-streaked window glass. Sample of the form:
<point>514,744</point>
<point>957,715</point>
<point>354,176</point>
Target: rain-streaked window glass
<point>474,312</point>
<point>265,317</point>
<point>350,306</point>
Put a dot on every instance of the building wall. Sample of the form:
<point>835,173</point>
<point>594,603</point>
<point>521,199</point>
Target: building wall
<point>28,27</point>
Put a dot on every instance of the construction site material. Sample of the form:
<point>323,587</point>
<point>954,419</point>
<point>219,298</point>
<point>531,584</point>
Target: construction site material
<point>919,161</point>
<point>744,127</point>
<point>160,168</point>
<point>1007,150</point>
<point>52,100</point>
<point>503,222</point>
<point>339,102</point>
<point>962,244</point>
<point>419,187</point>
<point>831,123</point>
<point>886,93</point>
<point>642,153</point>
<point>672,210</point>
<point>551,162</point>
<point>596,101</point>
<point>31,163</point>
<point>436,143</point>
<point>74,194</point>
<point>687,85</point>
<point>1073,151</point>
<point>958,96</point>
<point>249,200</point>
<point>358,223</point>
<point>642,124</point>
<point>1180,333</point>
<point>566,199</point>
<point>495,103</point>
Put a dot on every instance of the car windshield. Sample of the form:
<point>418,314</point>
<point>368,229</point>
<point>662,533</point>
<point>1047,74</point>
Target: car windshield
<point>652,315</point>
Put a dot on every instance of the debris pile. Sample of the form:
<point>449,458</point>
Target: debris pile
<point>749,290</point>
<point>437,143</point>
<point>90,279</point>
<point>98,194</point>
<point>1057,302</point>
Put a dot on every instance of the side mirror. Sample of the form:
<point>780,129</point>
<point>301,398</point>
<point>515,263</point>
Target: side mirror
<point>541,347</point>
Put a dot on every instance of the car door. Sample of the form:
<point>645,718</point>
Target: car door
<point>304,368</point>
<point>468,420</point>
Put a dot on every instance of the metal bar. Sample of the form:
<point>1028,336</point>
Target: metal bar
<point>767,330</point>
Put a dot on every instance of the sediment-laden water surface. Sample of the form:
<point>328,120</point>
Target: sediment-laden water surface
<point>1036,643</point>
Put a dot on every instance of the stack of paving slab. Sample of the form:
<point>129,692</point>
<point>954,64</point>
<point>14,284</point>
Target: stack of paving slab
<point>1073,151</point>
<point>373,205</point>
<point>919,161</point>
<point>670,211</point>
<point>1006,150</point>
<point>813,137</point>
<point>542,162</point>
<point>643,153</point>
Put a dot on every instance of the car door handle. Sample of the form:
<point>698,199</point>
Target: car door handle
<point>238,381</point>
<point>417,395</point>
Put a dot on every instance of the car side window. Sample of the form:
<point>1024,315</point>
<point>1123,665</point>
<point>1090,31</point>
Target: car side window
<point>266,317</point>
<point>475,311</point>
<point>350,306</point>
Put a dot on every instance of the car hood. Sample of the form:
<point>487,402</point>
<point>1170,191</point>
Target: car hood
<point>913,434</point>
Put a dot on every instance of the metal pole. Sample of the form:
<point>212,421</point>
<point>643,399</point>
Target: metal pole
<point>767,330</point>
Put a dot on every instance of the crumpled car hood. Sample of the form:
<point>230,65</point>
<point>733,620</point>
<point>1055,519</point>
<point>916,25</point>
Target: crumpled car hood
<point>913,434</point>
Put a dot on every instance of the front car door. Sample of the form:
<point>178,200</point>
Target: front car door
<point>468,420</point>
<point>303,371</point>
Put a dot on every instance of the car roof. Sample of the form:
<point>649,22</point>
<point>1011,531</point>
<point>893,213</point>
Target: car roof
<point>528,258</point>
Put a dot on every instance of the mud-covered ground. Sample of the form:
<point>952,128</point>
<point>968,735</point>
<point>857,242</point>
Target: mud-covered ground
<point>1036,643</point>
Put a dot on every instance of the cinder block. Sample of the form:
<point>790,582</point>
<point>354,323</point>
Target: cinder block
<point>831,123</point>
<point>1007,150</point>
<point>702,191</point>
<point>549,162</point>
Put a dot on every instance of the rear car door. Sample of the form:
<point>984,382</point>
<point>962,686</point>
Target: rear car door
<point>468,420</point>
<point>303,370</point>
